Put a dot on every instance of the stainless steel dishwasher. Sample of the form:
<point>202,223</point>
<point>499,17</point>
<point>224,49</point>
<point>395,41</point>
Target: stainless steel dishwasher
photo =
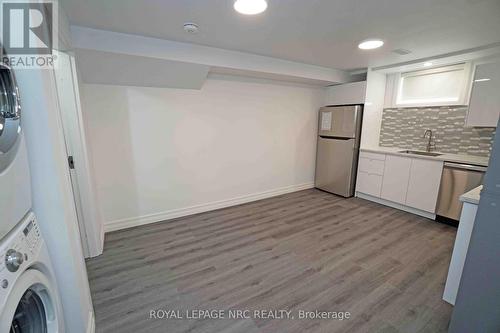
<point>456,180</point>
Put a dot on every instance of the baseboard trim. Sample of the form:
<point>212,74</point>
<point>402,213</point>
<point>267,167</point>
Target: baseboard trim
<point>175,213</point>
<point>91,323</point>
<point>396,205</point>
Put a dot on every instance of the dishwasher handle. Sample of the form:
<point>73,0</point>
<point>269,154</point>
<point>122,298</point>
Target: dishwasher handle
<point>470,167</point>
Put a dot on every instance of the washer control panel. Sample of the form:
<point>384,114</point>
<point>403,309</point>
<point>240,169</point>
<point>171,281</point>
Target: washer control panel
<point>31,234</point>
<point>18,250</point>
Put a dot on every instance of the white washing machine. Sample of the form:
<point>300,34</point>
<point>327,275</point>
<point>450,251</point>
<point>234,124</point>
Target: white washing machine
<point>29,300</point>
<point>15,183</point>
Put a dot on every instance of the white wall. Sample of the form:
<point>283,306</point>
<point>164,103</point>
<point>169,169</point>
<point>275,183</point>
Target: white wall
<point>161,153</point>
<point>374,107</point>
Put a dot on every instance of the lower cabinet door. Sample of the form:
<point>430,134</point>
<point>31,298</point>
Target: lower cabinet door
<point>396,176</point>
<point>423,186</point>
<point>369,183</point>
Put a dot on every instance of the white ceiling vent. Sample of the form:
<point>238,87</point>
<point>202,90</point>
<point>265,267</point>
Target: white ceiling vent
<point>401,51</point>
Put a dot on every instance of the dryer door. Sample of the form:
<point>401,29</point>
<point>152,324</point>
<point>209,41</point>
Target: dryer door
<point>30,306</point>
<point>10,117</point>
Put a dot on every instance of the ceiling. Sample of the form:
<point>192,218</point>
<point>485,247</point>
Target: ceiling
<point>318,32</point>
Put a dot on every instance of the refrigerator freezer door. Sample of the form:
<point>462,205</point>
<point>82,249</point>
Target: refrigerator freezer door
<point>335,163</point>
<point>339,121</point>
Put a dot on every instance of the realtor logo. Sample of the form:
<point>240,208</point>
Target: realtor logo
<point>27,28</point>
<point>28,33</point>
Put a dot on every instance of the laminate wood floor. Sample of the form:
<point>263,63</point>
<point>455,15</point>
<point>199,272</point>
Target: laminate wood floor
<point>307,250</point>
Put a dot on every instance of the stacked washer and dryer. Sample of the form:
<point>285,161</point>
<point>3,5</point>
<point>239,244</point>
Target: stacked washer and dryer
<point>29,300</point>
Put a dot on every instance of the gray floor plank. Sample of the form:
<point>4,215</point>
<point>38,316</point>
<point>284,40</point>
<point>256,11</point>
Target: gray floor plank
<point>307,250</point>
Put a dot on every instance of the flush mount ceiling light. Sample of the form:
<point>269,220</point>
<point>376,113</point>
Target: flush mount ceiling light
<point>250,7</point>
<point>191,28</point>
<point>428,64</point>
<point>370,44</point>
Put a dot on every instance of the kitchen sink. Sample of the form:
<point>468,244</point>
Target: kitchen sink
<point>418,152</point>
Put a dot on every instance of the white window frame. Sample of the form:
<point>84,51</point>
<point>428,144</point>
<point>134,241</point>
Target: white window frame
<point>443,101</point>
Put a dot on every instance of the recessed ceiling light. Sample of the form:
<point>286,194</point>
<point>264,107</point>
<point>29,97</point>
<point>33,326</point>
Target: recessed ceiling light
<point>250,7</point>
<point>428,64</point>
<point>370,44</point>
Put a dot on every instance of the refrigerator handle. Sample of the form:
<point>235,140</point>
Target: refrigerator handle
<point>335,137</point>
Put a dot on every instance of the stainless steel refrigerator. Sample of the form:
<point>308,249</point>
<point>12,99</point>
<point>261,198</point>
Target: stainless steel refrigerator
<point>339,134</point>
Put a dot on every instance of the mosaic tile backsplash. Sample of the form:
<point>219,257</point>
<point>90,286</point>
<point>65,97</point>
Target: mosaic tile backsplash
<point>405,127</point>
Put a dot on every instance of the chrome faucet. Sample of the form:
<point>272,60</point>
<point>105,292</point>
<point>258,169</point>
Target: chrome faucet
<point>430,143</point>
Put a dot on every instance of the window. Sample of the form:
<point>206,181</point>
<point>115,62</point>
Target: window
<point>433,87</point>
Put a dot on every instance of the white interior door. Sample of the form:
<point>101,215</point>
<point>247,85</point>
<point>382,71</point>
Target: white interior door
<point>89,221</point>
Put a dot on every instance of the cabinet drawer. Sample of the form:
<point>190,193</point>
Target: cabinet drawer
<point>369,165</point>
<point>369,183</point>
<point>372,156</point>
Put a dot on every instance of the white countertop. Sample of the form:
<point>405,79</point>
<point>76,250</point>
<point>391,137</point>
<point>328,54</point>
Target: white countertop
<point>466,159</point>
<point>472,196</point>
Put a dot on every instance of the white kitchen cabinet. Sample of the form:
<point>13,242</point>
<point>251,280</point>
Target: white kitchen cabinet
<point>484,104</point>
<point>396,176</point>
<point>372,156</point>
<point>371,163</point>
<point>348,93</point>
<point>370,173</point>
<point>403,182</point>
<point>423,185</point>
